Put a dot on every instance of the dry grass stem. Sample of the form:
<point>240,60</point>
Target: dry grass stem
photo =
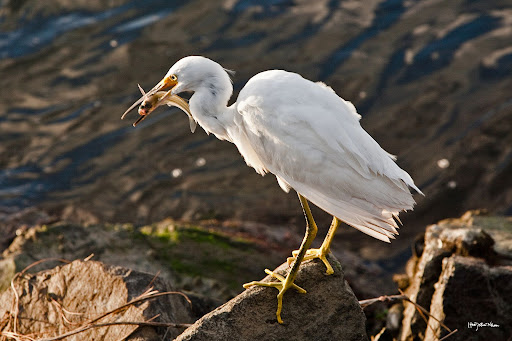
<point>402,297</point>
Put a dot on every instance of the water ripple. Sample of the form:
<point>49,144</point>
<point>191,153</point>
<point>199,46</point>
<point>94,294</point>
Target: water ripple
<point>386,14</point>
<point>35,34</point>
<point>439,53</point>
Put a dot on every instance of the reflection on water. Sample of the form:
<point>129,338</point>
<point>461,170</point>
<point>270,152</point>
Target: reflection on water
<point>439,53</point>
<point>387,13</point>
<point>20,186</point>
<point>29,184</point>
<point>40,32</point>
<point>72,73</point>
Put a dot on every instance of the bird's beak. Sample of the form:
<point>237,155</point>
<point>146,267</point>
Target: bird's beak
<point>165,83</point>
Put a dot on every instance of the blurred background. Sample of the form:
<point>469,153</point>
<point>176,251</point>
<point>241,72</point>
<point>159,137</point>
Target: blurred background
<point>432,80</point>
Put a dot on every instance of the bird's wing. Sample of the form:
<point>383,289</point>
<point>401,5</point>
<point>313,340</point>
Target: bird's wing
<point>312,141</point>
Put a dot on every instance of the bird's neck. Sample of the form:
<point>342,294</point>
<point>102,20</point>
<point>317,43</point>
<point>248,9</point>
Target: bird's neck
<point>209,109</point>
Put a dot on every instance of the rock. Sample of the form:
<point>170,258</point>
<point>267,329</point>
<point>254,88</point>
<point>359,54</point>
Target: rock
<point>15,222</point>
<point>55,301</point>
<point>328,311</point>
<point>217,267</point>
<point>471,291</point>
<point>7,272</point>
<point>461,267</point>
<point>226,254</point>
<point>499,228</point>
<point>425,275</point>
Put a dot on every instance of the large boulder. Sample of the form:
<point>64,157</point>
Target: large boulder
<point>470,291</point>
<point>462,274</point>
<point>328,311</point>
<point>66,298</point>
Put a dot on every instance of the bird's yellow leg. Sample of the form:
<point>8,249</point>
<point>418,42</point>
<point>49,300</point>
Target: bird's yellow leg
<point>323,250</point>
<point>286,283</point>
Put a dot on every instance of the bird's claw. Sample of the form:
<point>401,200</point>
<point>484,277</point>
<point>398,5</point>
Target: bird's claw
<point>320,253</point>
<point>283,285</point>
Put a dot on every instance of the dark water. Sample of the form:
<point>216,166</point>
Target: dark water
<point>72,71</point>
<point>386,14</point>
<point>34,34</point>
<point>28,185</point>
<point>439,53</point>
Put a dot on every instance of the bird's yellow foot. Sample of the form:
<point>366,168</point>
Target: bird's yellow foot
<point>283,285</point>
<point>320,253</point>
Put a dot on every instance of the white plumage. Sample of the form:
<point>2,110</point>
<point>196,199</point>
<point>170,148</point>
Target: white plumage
<point>304,134</point>
<point>311,139</point>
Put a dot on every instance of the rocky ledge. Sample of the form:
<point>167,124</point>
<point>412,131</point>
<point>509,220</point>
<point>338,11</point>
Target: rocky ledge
<point>462,274</point>
<point>88,300</point>
<point>328,311</point>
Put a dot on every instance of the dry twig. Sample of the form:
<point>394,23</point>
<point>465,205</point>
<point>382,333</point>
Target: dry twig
<point>107,324</point>
<point>403,297</point>
<point>385,298</point>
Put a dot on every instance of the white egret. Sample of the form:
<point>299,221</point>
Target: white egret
<point>305,135</point>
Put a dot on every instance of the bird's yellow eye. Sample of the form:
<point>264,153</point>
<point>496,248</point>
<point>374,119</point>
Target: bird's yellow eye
<point>174,78</point>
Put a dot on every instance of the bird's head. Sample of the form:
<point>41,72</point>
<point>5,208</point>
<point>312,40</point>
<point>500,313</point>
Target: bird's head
<point>189,74</point>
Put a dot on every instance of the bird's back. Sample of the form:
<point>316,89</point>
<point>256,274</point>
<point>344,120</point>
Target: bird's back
<point>312,141</point>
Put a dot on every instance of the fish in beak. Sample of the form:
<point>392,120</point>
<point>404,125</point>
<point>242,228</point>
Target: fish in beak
<point>157,97</point>
<point>166,83</point>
